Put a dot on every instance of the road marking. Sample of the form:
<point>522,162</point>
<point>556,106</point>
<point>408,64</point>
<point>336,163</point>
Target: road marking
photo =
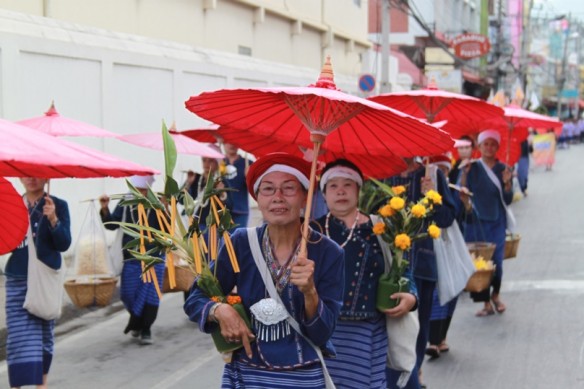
<point>576,286</point>
<point>179,375</point>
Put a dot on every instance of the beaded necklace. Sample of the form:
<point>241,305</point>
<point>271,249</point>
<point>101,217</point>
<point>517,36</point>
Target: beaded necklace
<point>326,228</point>
<point>280,273</point>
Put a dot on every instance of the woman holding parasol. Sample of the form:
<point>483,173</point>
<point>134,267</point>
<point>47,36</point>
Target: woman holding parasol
<point>293,299</point>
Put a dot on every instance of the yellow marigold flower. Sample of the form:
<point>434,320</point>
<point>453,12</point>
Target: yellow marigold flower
<point>386,211</point>
<point>434,231</point>
<point>232,300</point>
<point>397,203</point>
<point>425,201</point>
<point>402,241</point>
<point>379,228</point>
<point>419,210</point>
<point>222,168</point>
<point>434,196</point>
<point>397,190</point>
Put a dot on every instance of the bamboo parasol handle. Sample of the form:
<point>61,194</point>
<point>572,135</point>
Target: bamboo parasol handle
<point>317,139</point>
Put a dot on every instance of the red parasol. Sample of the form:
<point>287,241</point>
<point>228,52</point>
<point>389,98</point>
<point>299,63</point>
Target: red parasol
<point>28,153</point>
<point>434,105</point>
<point>51,123</point>
<point>184,144</point>
<point>335,120</point>
<point>14,220</point>
<point>259,145</point>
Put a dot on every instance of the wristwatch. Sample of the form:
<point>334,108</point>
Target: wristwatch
<point>212,312</point>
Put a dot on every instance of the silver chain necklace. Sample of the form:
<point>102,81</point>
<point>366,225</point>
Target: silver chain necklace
<point>326,228</point>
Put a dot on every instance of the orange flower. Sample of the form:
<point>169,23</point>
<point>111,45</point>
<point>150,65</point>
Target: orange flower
<point>386,211</point>
<point>402,241</point>
<point>379,228</point>
<point>397,190</point>
<point>232,300</point>
<point>216,299</point>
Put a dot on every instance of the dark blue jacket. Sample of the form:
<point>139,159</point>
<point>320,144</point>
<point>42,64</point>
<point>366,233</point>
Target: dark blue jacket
<point>50,242</point>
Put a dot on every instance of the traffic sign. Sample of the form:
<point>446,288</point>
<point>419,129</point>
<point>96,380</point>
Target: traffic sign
<point>366,82</point>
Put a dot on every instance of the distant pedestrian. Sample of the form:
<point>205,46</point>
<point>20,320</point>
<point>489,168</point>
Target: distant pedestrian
<point>140,298</point>
<point>30,341</point>
<point>487,215</point>
<point>237,200</point>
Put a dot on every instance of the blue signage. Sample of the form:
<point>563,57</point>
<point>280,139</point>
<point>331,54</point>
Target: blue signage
<point>366,83</point>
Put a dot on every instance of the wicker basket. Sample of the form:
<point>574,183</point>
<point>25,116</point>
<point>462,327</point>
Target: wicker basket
<point>482,249</point>
<point>511,245</point>
<point>184,280</point>
<point>480,280</point>
<point>95,291</point>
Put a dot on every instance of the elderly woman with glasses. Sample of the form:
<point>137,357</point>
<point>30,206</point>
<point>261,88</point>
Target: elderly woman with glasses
<point>360,338</point>
<point>290,337</point>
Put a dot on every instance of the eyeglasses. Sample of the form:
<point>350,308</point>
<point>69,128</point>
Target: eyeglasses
<point>286,190</point>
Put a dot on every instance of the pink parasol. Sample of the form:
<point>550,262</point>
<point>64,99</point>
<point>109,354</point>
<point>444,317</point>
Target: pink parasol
<point>435,105</point>
<point>14,220</point>
<point>184,144</point>
<point>259,145</point>
<point>28,153</point>
<point>338,121</point>
<point>51,123</point>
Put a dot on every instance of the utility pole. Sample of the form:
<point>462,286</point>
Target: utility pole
<point>498,51</point>
<point>562,72</point>
<point>384,85</point>
<point>525,44</point>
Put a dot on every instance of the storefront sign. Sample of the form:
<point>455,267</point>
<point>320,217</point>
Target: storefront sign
<point>470,45</point>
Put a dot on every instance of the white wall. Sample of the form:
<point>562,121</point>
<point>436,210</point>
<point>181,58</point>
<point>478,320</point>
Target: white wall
<point>124,83</point>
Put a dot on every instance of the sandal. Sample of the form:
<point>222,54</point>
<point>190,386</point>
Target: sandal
<point>499,306</point>
<point>433,352</point>
<point>485,312</point>
<point>443,347</point>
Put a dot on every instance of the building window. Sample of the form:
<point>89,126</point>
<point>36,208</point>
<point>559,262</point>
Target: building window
<point>357,3</point>
<point>244,50</point>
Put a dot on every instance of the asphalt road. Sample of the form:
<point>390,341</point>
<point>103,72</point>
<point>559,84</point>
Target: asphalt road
<point>537,343</point>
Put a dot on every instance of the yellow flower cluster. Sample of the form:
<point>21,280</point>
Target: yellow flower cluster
<point>397,203</point>
<point>434,231</point>
<point>481,264</point>
<point>386,211</point>
<point>434,196</point>
<point>419,211</point>
<point>402,241</point>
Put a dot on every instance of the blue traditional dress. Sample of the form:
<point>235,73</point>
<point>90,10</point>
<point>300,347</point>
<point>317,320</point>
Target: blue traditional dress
<point>360,338</point>
<point>237,201</point>
<point>140,298</point>
<point>488,219</point>
<point>30,340</point>
<point>288,360</point>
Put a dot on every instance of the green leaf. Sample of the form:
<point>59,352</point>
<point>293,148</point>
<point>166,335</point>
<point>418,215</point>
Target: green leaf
<point>171,187</point>
<point>169,154</point>
<point>189,203</point>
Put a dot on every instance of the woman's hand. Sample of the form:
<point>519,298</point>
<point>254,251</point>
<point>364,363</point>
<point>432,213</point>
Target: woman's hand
<point>233,328</point>
<point>50,211</point>
<point>465,198</point>
<point>406,303</point>
<point>507,179</point>
<point>302,275</point>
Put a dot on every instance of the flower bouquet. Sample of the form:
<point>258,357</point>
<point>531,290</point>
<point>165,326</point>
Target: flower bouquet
<point>180,242</point>
<point>402,223</point>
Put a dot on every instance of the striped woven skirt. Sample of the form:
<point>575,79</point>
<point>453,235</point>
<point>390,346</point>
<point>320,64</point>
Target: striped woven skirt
<point>30,340</point>
<point>361,347</point>
<point>135,293</point>
<point>441,312</point>
<point>237,375</point>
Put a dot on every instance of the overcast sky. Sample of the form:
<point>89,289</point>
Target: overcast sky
<point>558,7</point>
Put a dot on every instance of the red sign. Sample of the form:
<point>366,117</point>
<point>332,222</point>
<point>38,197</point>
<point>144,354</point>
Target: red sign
<point>470,45</point>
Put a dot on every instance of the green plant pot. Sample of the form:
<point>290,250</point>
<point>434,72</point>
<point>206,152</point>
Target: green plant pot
<point>386,288</point>
<point>222,345</point>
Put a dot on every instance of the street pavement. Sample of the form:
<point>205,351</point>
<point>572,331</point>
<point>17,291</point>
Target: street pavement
<point>537,343</point>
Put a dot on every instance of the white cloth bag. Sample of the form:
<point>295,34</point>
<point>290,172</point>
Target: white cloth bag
<point>116,250</point>
<point>44,294</point>
<point>453,262</point>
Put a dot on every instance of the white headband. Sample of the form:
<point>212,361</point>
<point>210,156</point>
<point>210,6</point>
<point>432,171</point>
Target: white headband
<point>284,169</point>
<point>492,134</point>
<point>340,171</point>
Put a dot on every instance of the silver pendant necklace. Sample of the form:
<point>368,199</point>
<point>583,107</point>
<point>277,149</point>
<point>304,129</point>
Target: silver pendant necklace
<point>326,228</point>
